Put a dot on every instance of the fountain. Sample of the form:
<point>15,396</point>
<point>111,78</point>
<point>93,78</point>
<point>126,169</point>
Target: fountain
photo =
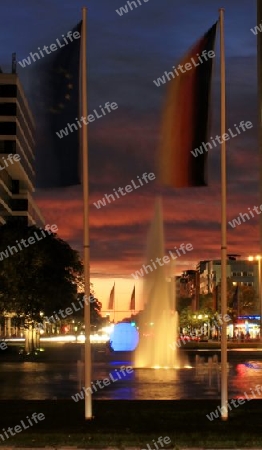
<point>158,324</point>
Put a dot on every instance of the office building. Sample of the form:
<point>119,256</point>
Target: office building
<point>17,175</point>
<point>240,272</point>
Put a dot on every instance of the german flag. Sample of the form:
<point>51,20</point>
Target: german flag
<point>186,118</point>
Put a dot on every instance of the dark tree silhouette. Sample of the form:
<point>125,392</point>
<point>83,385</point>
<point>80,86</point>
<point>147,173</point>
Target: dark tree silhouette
<point>37,275</point>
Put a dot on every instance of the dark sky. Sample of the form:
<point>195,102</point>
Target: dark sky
<point>125,55</point>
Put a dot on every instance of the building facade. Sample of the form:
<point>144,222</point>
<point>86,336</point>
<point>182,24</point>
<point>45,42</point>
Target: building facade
<point>241,273</point>
<point>17,175</point>
<point>189,287</point>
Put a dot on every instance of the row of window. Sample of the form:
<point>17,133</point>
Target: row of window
<point>23,220</point>
<point>5,177</point>
<point>8,90</point>
<point>8,109</point>
<point>11,91</point>
<point>7,147</point>
<point>242,274</point>
<point>19,204</point>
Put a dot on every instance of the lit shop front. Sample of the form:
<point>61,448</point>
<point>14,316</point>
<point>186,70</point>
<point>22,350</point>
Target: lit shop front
<point>246,327</point>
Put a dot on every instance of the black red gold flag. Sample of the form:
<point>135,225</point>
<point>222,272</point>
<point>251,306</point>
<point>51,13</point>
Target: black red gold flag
<point>186,117</point>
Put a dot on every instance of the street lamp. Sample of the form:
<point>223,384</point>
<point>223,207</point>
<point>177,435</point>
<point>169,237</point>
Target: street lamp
<point>258,258</point>
<point>260,291</point>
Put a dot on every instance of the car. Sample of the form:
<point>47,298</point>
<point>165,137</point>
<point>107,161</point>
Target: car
<point>188,338</point>
<point>184,338</point>
<point>195,338</point>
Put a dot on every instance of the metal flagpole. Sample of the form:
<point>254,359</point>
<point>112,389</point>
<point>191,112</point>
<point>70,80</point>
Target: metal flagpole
<point>85,181</point>
<point>114,300</point>
<point>224,381</point>
<point>238,306</point>
<point>259,79</point>
<point>260,288</point>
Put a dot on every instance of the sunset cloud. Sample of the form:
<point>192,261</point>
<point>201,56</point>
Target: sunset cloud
<point>124,57</point>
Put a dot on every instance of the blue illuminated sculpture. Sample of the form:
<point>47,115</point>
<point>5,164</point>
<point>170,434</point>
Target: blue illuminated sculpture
<point>124,337</point>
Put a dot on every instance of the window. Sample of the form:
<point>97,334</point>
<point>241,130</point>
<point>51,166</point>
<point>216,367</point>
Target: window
<point>19,204</point>
<point>239,274</point>
<point>7,128</point>
<point>7,180</point>
<point>23,220</point>
<point>250,274</point>
<point>15,186</point>
<point>234,274</point>
<point>244,274</point>
<point>250,283</point>
<point>8,90</point>
<point>7,147</point>
<point>7,109</point>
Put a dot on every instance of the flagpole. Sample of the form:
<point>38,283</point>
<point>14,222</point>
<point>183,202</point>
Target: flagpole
<point>238,308</point>
<point>224,381</point>
<point>86,246</point>
<point>114,299</point>
<point>259,79</point>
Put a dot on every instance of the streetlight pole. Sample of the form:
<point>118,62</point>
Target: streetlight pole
<point>259,85</point>
<point>260,293</point>
<point>259,276</point>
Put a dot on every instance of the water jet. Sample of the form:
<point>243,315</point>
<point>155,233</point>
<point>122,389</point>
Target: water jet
<point>158,323</point>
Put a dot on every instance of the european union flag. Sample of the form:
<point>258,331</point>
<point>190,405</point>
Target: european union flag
<point>56,107</point>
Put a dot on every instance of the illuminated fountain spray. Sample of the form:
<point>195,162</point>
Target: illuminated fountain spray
<point>158,324</point>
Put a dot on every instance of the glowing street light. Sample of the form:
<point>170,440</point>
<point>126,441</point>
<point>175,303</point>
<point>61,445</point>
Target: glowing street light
<point>258,258</point>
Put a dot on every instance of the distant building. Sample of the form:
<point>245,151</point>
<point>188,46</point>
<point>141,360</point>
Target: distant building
<point>17,177</point>
<point>241,272</point>
<point>189,287</point>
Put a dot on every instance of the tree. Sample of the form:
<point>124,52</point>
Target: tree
<point>195,319</point>
<point>206,301</point>
<point>241,300</point>
<point>230,294</point>
<point>183,303</point>
<point>186,317</point>
<point>95,309</point>
<point>244,301</point>
<point>38,272</point>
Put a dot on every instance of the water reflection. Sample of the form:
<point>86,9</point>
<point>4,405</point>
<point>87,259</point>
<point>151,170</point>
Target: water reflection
<point>199,379</point>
